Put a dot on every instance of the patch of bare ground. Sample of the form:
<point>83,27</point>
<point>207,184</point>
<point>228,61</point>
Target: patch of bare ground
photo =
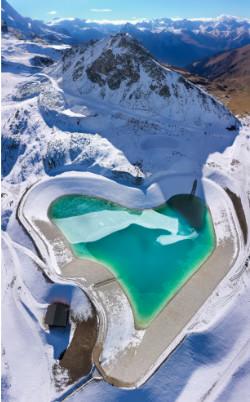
<point>233,93</point>
<point>234,96</point>
<point>239,212</point>
<point>77,359</point>
<point>225,76</point>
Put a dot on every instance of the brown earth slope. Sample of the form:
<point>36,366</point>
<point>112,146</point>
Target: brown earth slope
<point>227,76</point>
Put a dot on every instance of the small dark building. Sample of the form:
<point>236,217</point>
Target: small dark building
<point>57,315</point>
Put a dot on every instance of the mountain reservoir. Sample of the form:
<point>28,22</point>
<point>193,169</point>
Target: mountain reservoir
<point>151,253</point>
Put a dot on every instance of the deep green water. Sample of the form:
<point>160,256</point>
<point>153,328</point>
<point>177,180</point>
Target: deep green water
<point>149,269</point>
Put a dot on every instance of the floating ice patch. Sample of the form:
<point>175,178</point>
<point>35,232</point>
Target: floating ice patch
<point>166,240</point>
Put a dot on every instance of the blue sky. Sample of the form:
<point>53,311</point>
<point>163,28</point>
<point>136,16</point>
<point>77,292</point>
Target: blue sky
<point>129,9</point>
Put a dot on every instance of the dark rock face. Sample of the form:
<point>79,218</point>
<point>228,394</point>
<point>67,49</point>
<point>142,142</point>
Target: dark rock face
<point>41,61</point>
<point>232,128</point>
<point>113,68</point>
<point>78,72</point>
<point>4,27</point>
<point>164,91</point>
<point>12,145</point>
<point>12,148</point>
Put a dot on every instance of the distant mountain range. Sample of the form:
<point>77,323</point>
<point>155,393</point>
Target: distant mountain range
<point>177,42</point>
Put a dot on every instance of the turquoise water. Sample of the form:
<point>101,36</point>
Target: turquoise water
<point>152,253</point>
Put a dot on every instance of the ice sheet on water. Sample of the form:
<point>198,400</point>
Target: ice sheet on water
<point>96,225</point>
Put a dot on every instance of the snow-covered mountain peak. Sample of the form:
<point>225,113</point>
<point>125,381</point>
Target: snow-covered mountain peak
<point>118,70</point>
<point>110,61</point>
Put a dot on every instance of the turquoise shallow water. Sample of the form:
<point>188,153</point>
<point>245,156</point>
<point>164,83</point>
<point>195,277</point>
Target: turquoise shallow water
<point>152,253</point>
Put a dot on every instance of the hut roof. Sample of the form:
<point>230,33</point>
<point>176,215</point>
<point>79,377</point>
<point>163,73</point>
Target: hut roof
<point>57,315</point>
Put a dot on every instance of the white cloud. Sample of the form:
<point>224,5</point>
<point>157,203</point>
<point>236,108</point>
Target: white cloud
<point>53,12</point>
<point>101,10</point>
<point>134,21</point>
<point>212,19</point>
<point>117,22</point>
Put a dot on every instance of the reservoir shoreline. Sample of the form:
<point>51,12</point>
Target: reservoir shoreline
<point>133,365</point>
